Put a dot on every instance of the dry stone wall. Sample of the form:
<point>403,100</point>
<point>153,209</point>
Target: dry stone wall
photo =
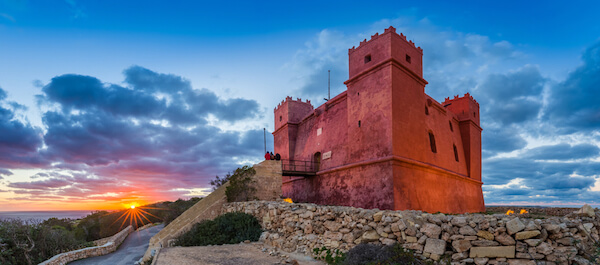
<point>110,245</point>
<point>463,239</point>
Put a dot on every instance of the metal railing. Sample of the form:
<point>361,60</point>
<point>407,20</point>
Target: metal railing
<point>299,166</point>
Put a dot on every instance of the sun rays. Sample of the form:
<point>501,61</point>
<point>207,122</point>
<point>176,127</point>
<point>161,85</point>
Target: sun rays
<point>136,216</point>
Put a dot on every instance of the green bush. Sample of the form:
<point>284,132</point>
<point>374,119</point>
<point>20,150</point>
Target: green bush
<point>26,242</point>
<point>230,228</point>
<point>239,188</point>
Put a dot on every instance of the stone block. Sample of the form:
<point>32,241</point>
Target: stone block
<point>431,230</point>
<point>527,234</point>
<point>492,252</point>
<point>521,262</point>
<point>485,234</point>
<point>435,246</point>
<point>515,225</point>
<point>461,245</point>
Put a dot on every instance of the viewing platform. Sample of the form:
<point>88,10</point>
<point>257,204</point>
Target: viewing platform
<point>299,168</point>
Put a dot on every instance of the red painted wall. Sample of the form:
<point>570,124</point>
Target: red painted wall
<point>387,161</point>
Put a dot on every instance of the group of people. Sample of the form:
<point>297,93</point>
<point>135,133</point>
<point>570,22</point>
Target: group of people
<point>270,156</point>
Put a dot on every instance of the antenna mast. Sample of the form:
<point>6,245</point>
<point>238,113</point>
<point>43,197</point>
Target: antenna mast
<point>328,86</point>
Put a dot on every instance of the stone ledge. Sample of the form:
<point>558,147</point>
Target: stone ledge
<point>112,243</point>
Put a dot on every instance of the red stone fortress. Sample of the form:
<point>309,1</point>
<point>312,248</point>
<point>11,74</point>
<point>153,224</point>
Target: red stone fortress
<point>383,143</point>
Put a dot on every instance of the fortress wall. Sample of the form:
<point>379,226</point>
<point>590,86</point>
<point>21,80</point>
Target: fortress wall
<point>109,245</point>
<point>418,187</point>
<point>463,239</point>
<point>367,185</point>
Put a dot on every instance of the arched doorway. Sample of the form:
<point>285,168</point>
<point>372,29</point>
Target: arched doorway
<point>317,161</point>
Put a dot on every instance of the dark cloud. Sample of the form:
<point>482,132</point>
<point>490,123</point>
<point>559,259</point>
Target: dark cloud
<point>573,104</point>
<point>501,140</point>
<point>5,172</point>
<point>563,152</point>
<point>512,98</point>
<point>539,181</point>
<point>148,137</point>
<point>19,140</point>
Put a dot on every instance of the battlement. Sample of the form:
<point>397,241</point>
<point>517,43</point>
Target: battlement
<point>289,99</point>
<point>390,30</point>
<point>456,97</point>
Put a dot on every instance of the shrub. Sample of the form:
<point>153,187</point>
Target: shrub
<point>377,255</point>
<point>230,228</point>
<point>240,188</point>
<point>329,256</point>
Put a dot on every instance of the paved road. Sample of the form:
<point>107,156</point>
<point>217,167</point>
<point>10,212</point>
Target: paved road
<point>129,252</point>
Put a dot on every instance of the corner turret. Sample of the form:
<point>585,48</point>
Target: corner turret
<point>288,114</point>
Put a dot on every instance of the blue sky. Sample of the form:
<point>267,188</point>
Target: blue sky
<point>107,102</point>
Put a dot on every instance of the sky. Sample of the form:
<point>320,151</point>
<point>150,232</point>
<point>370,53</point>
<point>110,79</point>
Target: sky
<point>104,104</point>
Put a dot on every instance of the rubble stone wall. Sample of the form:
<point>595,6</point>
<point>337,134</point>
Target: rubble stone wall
<point>111,244</point>
<point>464,239</point>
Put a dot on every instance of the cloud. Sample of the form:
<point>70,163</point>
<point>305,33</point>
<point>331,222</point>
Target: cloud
<point>563,152</point>
<point>19,140</point>
<point>5,172</point>
<point>514,97</point>
<point>328,50</point>
<point>148,138</point>
<point>501,140</point>
<point>573,103</point>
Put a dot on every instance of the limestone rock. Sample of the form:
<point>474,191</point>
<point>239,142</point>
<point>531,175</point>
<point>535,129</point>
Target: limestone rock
<point>586,210</point>
<point>552,228</point>
<point>514,226</point>
<point>493,252</point>
<point>532,242</point>
<point>388,242</point>
<point>527,234</point>
<point>461,245</point>
<point>435,246</point>
<point>484,243</point>
<point>521,262</point>
<point>480,261</point>
<point>544,248</point>
<point>467,231</point>
<point>377,216</point>
<point>370,236</point>
<point>485,234</point>
<point>431,230</point>
<point>459,221</point>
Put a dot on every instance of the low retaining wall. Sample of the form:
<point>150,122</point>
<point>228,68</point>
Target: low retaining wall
<point>109,245</point>
<point>464,239</point>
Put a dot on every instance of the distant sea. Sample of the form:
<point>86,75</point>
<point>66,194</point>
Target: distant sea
<point>43,215</point>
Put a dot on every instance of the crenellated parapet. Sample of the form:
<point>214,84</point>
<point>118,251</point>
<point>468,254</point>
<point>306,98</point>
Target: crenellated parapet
<point>390,30</point>
<point>456,97</point>
<point>289,99</point>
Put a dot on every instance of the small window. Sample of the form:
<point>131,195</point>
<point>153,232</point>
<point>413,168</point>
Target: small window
<point>450,123</point>
<point>359,124</point>
<point>367,58</point>
<point>358,93</point>
<point>407,58</point>
<point>426,110</point>
<point>474,114</point>
<point>432,142</point>
<point>455,153</point>
<point>280,118</point>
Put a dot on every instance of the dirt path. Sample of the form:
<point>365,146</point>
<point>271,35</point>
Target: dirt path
<point>238,254</point>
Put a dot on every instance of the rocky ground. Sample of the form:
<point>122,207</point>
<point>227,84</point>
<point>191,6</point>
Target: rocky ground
<point>533,212</point>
